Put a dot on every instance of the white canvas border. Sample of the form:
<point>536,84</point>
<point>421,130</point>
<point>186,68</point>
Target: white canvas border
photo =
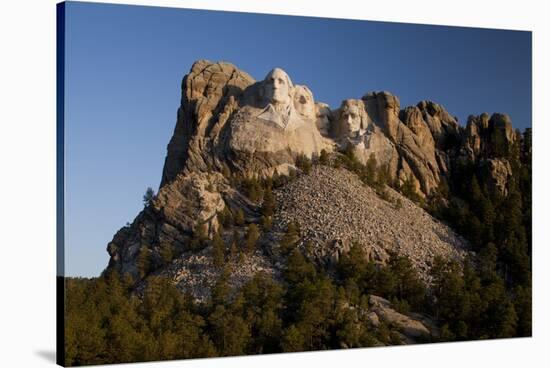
<point>27,151</point>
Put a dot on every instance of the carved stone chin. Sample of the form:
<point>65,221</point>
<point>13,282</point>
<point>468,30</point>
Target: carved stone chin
<point>288,120</point>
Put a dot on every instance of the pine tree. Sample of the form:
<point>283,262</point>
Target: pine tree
<point>144,261</point>
<point>475,190</point>
<point>408,286</point>
<point>508,320</point>
<point>202,233</point>
<point>298,269</point>
<point>233,250</point>
<point>383,176</point>
<point>221,289</point>
<point>239,217</point>
<point>352,264</point>
<point>231,334</point>
<point>148,196</point>
<point>323,157</point>
<point>218,250</point>
<point>252,236</point>
<point>523,308</point>
<point>268,205</point>
<point>199,237</point>
<point>266,222</point>
<point>253,189</point>
<point>370,170</point>
<point>303,163</point>
<point>290,238</point>
<point>293,340</point>
<point>409,189</point>
<point>166,253</point>
<point>225,217</point>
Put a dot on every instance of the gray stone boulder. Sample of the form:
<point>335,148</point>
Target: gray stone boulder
<point>413,328</point>
<point>497,173</point>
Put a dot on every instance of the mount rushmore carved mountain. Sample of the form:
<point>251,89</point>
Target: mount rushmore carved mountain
<point>240,146</point>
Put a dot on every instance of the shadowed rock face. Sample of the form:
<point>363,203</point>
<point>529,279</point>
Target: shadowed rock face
<point>323,118</point>
<point>228,122</point>
<point>304,103</point>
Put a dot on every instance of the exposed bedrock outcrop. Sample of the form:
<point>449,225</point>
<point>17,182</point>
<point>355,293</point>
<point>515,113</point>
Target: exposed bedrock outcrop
<point>228,123</point>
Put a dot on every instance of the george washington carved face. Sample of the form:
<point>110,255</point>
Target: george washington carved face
<point>278,87</point>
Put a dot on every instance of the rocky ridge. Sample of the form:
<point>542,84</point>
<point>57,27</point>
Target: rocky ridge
<point>230,125</point>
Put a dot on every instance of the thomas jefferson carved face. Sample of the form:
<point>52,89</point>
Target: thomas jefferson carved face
<point>303,102</point>
<point>278,87</point>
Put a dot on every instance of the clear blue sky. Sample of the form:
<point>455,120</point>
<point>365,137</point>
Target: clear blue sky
<point>124,66</point>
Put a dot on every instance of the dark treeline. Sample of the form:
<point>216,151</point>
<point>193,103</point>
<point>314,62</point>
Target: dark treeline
<point>487,296</point>
<point>498,225</point>
<point>106,322</point>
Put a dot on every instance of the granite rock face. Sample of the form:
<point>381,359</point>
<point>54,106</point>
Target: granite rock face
<point>230,125</point>
<point>400,139</point>
<point>226,118</point>
<point>209,96</point>
<point>413,328</point>
<point>175,213</point>
<point>486,143</point>
<point>441,124</point>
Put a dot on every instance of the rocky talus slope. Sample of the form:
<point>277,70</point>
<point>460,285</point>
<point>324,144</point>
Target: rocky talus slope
<point>334,208</point>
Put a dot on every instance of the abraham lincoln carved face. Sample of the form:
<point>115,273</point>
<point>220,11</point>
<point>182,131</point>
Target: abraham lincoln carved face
<point>351,119</point>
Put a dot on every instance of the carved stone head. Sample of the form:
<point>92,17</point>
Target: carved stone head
<point>278,87</point>
<point>303,102</point>
<point>353,119</point>
<point>323,117</point>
